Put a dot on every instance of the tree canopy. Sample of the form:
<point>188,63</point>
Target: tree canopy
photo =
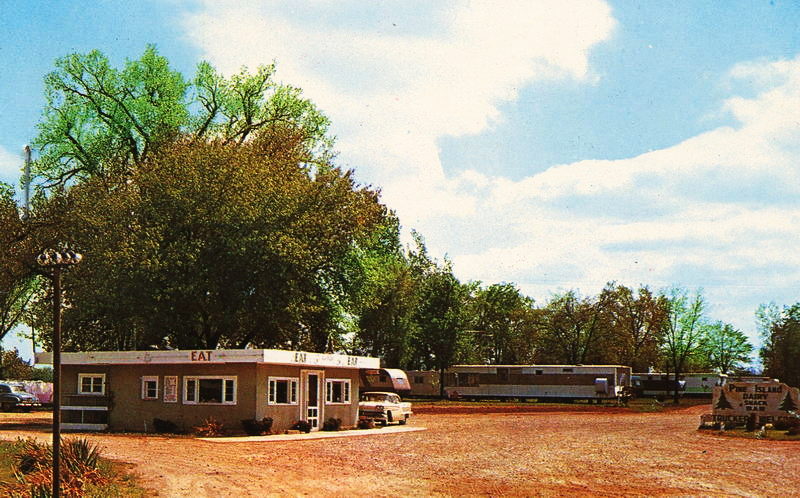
<point>210,244</point>
<point>97,116</point>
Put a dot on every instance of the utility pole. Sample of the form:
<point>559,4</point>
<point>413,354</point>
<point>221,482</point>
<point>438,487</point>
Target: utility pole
<point>26,181</point>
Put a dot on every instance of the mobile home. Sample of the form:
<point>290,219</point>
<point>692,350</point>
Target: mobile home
<point>690,384</point>
<point>591,382</point>
<point>424,383</point>
<point>127,390</point>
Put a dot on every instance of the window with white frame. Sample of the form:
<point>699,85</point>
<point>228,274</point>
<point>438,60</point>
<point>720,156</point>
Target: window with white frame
<point>209,390</point>
<point>92,383</point>
<point>337,391</point>
<point>150,387</point>
<point>282,391</point>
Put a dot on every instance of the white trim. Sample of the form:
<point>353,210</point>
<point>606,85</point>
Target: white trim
<point>149,378</point>
<point>196,394</point>
<point>346,393</point>
<point>293,390</point>
<point>86,408</point>
<point>82,376</point>
<point>83,427</point>
<point>213,356</point>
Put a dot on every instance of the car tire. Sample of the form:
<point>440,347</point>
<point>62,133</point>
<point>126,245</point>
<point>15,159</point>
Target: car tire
<point>403,421</point>
<point>7,407</point>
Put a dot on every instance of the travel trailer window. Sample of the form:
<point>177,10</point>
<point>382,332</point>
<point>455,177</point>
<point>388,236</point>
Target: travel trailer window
<point>90,383</point>
<point>282,391</point>
<point>337,391</point>
<point>210,390</point>
<point>150,387</point>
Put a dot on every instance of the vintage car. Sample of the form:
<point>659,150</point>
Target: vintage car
<point>14,396</point>
<point>383,408</point>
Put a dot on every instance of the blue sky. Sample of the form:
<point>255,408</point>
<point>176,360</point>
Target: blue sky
<point>553,144</point>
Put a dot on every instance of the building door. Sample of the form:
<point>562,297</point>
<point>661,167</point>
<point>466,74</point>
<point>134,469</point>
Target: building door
<point>312,380</point>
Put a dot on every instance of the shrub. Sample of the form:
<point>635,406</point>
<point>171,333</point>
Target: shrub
<point>209,428</point>
<point>332,424</point>
<point>80,455</point>
<point>33,468</point>
<point>302,426</point>
<point>164,426</point>
<point>366,423</point>
<point>750,426</point>
<point>253,427</point>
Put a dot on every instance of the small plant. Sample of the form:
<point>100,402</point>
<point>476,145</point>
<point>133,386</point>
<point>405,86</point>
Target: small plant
<point>254,427</point>
<point>302,426</point>
<point>332,424</point>
<point>33,468</point>
<point>164,426</point>
<point>209,428</point>
<point>80,455</point>
<point>366,423</point>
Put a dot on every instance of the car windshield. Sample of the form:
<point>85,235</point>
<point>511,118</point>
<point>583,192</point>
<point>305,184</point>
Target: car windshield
<point>17,389</point>
<point>373,397</point>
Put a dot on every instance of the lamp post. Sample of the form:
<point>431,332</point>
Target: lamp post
<point>57,261</point>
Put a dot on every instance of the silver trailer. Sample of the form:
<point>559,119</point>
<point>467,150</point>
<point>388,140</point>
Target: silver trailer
<point>542,382</point>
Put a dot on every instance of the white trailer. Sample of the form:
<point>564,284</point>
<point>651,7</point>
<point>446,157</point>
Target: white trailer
<point>424,383</point>
<point>659,384</point>
<point>591,382</point>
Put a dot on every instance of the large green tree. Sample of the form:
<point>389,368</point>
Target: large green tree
<point>386,289</point>
<point>684,330</point>
<point>502,322</point>
<point>572,329</point>
<point>209,209</point>
<point>441,337</point>
<point>780,353</point>
<point>17,278</point>
<point>727,348</point>
<point>635,323</point>
<point>210,244</point>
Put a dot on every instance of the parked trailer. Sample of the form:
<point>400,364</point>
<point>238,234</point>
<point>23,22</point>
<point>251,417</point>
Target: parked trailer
<point>424,383</point>
<point>662,385</point>
<point>386,380</point>
<point>590,382</point>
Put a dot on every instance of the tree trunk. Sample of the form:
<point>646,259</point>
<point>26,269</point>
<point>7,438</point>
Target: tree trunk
<point>441,383</point>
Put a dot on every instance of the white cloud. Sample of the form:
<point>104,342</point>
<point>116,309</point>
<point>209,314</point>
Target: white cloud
<point>10,166</point>
<point>718,210</point>
<point>393,93</point>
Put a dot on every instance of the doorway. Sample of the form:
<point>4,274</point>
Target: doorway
<point>312,380</point>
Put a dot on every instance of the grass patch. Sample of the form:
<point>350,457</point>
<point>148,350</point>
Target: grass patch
<point>769,435</point>
<point>25,470</point>
<point>652,405</point>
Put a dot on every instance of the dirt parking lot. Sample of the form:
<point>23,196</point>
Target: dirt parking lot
<point>550,453</point>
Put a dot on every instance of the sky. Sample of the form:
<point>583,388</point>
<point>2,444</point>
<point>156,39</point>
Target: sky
<point>553,144</point>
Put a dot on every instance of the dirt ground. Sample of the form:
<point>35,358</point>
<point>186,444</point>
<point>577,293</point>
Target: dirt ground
<point>539,452</point>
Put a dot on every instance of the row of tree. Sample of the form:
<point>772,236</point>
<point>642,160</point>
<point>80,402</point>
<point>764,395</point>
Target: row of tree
<point>424,318</point>
<point>211,213</point>
<point>780,336</point>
